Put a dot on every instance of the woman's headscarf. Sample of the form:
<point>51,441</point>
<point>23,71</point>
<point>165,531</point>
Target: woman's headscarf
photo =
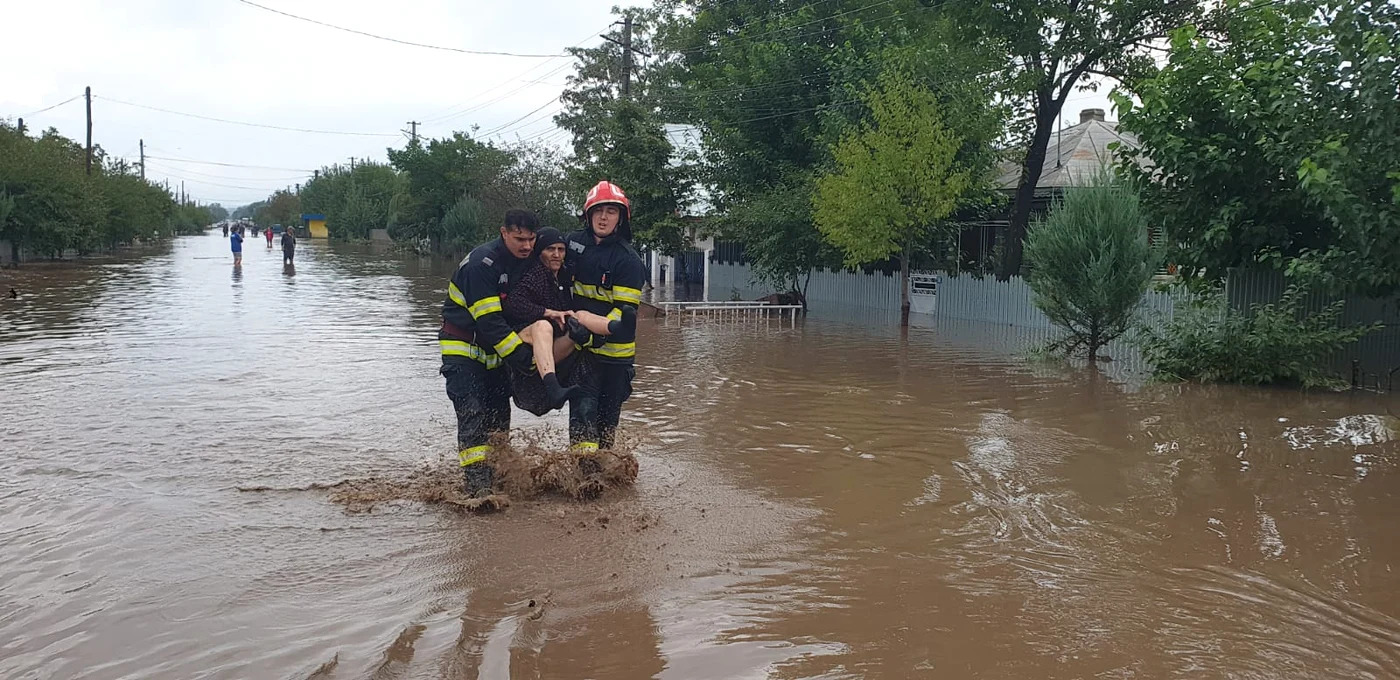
<point>545,238</point>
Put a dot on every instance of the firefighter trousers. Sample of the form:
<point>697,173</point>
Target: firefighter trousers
<point>594,415</point>
<point>481,398</point>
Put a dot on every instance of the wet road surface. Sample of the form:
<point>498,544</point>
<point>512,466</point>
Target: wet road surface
<point>833,501</point>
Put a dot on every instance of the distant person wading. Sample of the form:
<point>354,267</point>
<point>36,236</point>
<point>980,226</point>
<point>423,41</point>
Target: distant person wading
<point>289,245</point>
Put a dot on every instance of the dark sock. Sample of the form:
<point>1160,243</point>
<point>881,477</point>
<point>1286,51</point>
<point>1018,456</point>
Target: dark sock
<point>558,394</point>
<point>628,314</point>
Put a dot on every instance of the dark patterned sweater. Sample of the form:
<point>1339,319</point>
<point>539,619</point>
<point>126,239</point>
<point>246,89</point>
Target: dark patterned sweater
<point>537,290</point>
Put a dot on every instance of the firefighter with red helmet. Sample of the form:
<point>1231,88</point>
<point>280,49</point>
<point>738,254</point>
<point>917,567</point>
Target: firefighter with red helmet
<point>608,277</point>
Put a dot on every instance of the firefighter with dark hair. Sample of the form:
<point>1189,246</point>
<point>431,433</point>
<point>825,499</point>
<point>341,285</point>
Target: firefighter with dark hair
<point>607,280</point>
<point>477,342</point>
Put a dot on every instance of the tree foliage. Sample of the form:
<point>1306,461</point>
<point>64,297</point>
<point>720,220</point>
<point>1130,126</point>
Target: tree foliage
<point>1090,263</point>
<point>354,200</point>
<point>282,207</point>
<point>621,137</point>
<point>1277,142</point>
<point>52,205</point>
<point>897,177</point>
<point>771,86</point>
<point>1051,46</point>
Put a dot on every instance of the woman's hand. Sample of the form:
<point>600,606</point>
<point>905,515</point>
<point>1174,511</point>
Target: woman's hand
<point>557,316</point>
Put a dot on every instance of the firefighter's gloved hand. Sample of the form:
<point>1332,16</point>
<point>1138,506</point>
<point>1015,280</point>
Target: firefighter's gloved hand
<point>522,359</point>
<point>577,332</point>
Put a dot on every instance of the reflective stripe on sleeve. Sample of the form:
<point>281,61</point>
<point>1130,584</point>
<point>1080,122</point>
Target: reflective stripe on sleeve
<point>455,294</point>
<point>615,314</point>
<point>485,306</point>
<point>508,345</point>
<point>585,447</point>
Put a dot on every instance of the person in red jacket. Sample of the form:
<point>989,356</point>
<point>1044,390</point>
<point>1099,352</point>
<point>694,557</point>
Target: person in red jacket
<point>268,234</point>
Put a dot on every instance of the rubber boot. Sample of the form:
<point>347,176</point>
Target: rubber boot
<point>592,473</point>
<point>629,315</point>
<point>557,394</point>
<point>477,480</point>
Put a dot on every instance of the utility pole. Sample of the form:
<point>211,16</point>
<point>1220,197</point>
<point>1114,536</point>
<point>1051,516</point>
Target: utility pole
<point>627,57</point>
<point>413,125</point>
<point>87,94</point>
<point>315,175</point>
<point>626,44</point>
<point>21,126</point>
<point>352,164</point>
<point>143,159</point>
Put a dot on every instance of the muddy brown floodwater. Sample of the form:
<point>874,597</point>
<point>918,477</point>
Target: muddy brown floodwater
<point>831,501</point>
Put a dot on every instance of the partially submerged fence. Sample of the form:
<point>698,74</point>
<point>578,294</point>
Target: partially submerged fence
<point>1375,360</point>
<point>731,311</point>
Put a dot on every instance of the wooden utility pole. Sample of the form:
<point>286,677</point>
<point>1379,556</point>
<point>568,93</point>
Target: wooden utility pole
<point>87,94</point>
<point>20,127</point>
<point>315,175</point>
<point>143,159</point>
<point>352,164</point>
<point>413,125</point>
<point>627,57</point>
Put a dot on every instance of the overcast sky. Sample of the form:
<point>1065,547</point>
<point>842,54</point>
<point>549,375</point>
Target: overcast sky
<point>227,59</point>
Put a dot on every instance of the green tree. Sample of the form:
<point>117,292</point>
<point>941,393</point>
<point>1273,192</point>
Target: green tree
<point>217,213</point>
<point>1090,264</point>
<point>1053,45</point>
<point>620,136</point>
<point>896,178</point>
<point>771,85</point>
<point>438,174</point>
<point>283,207</point>
<point>354,201</point>
<point>1277,142</point>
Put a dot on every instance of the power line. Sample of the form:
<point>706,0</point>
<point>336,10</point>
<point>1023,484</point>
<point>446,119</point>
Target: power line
<point>396,40</point>
<point>279,178</point>
<point>46,108</point>
<point>212,184</point>
<point>256,125</point>
<point>226,165</point>
<point>517,120</point>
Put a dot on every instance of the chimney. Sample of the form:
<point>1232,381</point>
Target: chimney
<point>1087,115</point>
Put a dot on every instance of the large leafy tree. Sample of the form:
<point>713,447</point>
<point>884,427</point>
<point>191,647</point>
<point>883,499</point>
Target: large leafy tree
<point>620,136</point>
<point>439,174</point>
<point>898,177</point>
<point>1053,47</point>
<point>771,85</point>
<point>1276,142</point>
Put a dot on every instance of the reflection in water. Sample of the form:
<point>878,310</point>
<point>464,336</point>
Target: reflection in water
<point>837,499</point>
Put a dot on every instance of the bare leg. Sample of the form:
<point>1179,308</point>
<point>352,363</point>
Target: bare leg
<point>597,325</point>
<point>540,335</point>
<point>563,347</point>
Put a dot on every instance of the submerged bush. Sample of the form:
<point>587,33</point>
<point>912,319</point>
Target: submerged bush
<point>1279,343</point>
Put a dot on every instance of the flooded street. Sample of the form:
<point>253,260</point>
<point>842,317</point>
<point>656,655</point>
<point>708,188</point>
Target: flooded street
<point>830,501</point>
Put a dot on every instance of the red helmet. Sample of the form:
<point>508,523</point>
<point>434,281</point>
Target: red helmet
<point>607,192</point>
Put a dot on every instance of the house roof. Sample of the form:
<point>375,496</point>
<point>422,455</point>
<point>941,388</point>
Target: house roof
<point>1074,155</point>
